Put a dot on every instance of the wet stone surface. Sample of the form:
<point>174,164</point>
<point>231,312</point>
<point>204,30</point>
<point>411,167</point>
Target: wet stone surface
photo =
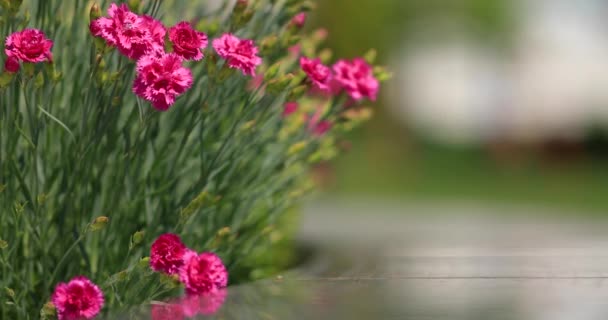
<point>384,264</point>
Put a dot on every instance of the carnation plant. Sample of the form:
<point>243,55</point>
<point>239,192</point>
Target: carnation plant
<point>157,149</point>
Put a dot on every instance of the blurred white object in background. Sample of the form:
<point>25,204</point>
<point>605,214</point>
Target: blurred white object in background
<point>552,83</point>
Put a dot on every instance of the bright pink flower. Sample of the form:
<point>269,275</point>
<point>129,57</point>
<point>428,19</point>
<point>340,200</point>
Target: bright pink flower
<point>203,273</point>
<point>240,54</point>
<point>11,65</point>
<point>169,311</point>
<point>167,253</point>
<point>299,20</point>
<point>161,78</point>
<point>187,42</point>
<point>319,74</point>
<point>357,78</point>
<point>290,107</point>
<point>317,126</point>
<point>29,45</point>
<point>78,299</point>
<point>295,50</point>
<point>133,35</point>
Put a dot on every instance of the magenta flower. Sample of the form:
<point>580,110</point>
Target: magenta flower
<point>299,20</point>
<point>167,253</point>
<point>319,74</point>
<point>161,78</point>
<point>357,78</point>
<point>133,35</point>
<point>78,299</point>
<point>240,54</point>
<point>203,273</point>
<point>187,42</point>
<point>11,65</point>
<point>29,45</point>
<point>317,126</point>
<point>289,108</point>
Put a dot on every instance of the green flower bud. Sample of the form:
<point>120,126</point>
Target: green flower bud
<point>99,223</point>
<point>3,244</point>
<point>48,311</point>
<point>297,147</point>
<point>136,239</point>
<point>39,80</point>
<point>370,56</point>
<point>94,12</point>
<point>134,5</point>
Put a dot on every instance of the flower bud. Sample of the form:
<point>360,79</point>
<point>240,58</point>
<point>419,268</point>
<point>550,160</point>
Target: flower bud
<point>94,12</point>
<point>370,56</point>
<point>296,148</point>
<point>10,292</point>
<point>137,238</point>
<point>272,71</point>
<point>144,262</point>
<point>48,311</point>
<point>297,93</point>
<point>3,244</point>
<point>5,79</point>
<point>269,44</point>
<point>99,223</point>
<point>134,5</point>
<point>39,80</point>
<point>11,65</point>
<point>280,84</point>
<point>382,74</point>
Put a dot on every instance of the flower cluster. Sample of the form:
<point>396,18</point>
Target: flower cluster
<point>201,273</point>
<point>355,77</point>
<point>161,76</point>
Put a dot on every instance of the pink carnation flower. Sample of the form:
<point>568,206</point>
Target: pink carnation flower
<point>299,20</point>
<point>319,74</point>
<point>316,126</point>
<point>357,78</point>
<point>167,253</point>
<point>187,42</point>
<point>289,108</point>
<point>78,299</point>
<point>203,273</point>
<point>240,54</point>
<point>133,35</point>
<point>11,65</point>
<point>161,78</point>
<point>29,45</point>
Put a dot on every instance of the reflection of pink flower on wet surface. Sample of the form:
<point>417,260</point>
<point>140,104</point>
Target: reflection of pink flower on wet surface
<point>190,306</point>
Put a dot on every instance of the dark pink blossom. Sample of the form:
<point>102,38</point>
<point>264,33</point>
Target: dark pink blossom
<point>316,125</point>
<point>132,34</point>
<point>319,74</point>
<point>203,273</point>
<point>78,299</point>
<point>299,19</point>
<point>29,45</point>
<point>187,42</point>
<point>357,78</point>
<point>167,253</point>
<point>240,54</point>
<point>161,78</point>
<point>289,108</point>
<point>11,65</point>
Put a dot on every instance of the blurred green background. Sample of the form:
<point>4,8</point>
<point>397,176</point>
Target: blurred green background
<point>391,159</point>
